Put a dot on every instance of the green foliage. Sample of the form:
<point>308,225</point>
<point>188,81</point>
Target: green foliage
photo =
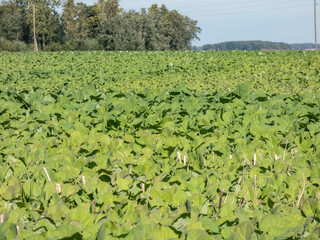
<point>266,72</point>
<point>13,46</point>
<point>75,21</point>
<point>247,45</point>
<point>12,24</point>
<point>8,231</point>
<point>170,30</point>
<point>163,162</point>
<point>47,20</point>
<point>101,26</point>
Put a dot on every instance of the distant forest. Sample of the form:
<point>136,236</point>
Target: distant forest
<point>256,46</point>
<point>247,45</point>
<point>303,46</point>
<point>70,25</point>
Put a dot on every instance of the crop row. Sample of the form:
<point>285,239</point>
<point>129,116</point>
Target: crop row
<point>158,164</point>
<point>271,72</point>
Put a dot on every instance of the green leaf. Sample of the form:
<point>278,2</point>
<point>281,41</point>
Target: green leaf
<point>181,223</point>
<point>123,184</point>
<point>243,90</point>
<point>76,138</point>
<point>65,231</point>
<point>161,232</point>
<point>12,190</point>
<point>210,225</point>
<point>311,208</point>
<point>57,211</point>
<point>244,231</point>
<point>198,234</point>
<point>137,232</point>
<point>277,225</point>
<point>204,208</point>
<point>8,231</point>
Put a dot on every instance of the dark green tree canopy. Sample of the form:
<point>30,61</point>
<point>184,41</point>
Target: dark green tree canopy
<point>247,45</point>
<point>73,25</point>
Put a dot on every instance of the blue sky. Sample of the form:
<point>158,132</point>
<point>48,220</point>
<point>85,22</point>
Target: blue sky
<point>290,21</point>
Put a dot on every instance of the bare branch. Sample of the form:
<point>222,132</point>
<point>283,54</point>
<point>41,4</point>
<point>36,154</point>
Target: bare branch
<point>303,188</point>
<point>220,198</point>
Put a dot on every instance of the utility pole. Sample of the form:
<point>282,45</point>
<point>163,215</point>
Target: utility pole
<point>34,29</point>
<point>315,23</point>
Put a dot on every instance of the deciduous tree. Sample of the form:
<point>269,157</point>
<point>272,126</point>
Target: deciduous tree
<point>48,27</point>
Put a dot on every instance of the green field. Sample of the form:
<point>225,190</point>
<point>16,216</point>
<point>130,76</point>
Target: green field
<point>271,72</point>
<point>160,145</point>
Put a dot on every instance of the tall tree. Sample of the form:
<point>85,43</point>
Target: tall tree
<point>48,26</point>
<point>158,40</point>
<point>69,19</point>
<point>75,20</point>
<point>107,21</point>
<point>173,30</point>
<point>129,35</point>
<point>179,29</point>
<point>12,24</point>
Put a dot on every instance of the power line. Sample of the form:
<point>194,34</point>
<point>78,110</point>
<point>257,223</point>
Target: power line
<point>315,24</point>
<point>245,7</point>
<point>253,11</point>
<point>220,4</point>
<point>231,4</point>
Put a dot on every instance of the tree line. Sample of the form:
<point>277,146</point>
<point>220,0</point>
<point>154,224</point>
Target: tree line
<point>303,46</point>
<point>247,45</point>
<point>70,25</point>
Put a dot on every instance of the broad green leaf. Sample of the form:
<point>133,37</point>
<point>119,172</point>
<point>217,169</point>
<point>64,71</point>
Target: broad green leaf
<point>8,231</point>
<point>123,184</point>
<point>244,231</point>
<point>210,225</point>
<point>65,231</point>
